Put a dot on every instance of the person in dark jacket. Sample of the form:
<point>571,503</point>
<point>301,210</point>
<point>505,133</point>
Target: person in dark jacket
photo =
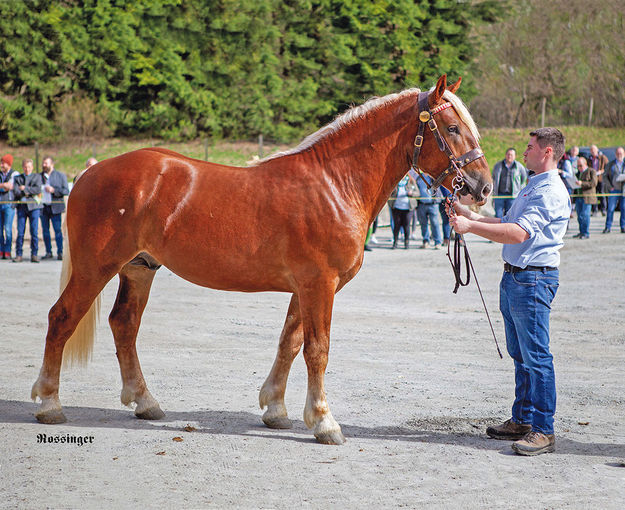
<point>7,209</point>
<point>53,198</point>
<point>27,191</point>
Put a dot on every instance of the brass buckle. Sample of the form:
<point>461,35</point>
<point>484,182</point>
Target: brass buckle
<point>418,141</point>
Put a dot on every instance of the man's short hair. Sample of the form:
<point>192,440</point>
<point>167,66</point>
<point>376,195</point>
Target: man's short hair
<point>550,137</point>
<point>48,157</point>
<point>510,149</point>
<point>26,161</point>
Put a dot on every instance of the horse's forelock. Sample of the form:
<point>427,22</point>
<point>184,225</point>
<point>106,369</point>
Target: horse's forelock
<point>354,113</point>
<point>463,112</point>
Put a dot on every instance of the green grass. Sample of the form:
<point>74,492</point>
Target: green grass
<point>70,157</point>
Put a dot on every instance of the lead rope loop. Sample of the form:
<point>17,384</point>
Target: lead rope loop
<point>456,264</point>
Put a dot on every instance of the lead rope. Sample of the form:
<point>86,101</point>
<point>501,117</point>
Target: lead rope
<point>456,264</point>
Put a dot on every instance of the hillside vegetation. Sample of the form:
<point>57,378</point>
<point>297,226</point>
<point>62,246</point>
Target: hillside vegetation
<point>71,158</point>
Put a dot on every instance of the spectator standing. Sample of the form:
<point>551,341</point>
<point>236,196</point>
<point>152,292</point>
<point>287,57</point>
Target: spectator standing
<point>27,190</point>
<point>427,211</point>
<point>53,198</point>
<point>598,161</point>
<point>401,212</point>
<point>445,217</point>
<point>613,179</point>
<point>588,186</point>
<point>509,177</point>
<point>573,155</point>
<point>7,209</point>
<point>566,171</point>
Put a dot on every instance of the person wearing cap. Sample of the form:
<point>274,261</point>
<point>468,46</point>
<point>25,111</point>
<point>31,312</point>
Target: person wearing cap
<point>53,198</point>
<point>27,191</point>
<point>7,209</point>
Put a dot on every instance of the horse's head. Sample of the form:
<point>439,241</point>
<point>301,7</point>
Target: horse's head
<point>447,144</point>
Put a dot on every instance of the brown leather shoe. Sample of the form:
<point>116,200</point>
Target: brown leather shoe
<point>535,443</point>
<point>34,258</point>
<point>508,430</point>
<point>17,259</point>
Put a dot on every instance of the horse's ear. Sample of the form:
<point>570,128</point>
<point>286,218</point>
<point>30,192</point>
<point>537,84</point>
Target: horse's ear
<point>438,91</point>
<point>455,86</point>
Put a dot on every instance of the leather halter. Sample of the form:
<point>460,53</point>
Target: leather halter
<point>426,116</point>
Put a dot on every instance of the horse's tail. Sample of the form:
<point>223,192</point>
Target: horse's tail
<point>79,347</point>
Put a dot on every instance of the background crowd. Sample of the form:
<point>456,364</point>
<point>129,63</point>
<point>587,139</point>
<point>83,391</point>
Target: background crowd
<point>34,198</point>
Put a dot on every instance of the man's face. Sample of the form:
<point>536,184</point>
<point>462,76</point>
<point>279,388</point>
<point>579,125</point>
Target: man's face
<point>582,164</point>
<point>5,167</point>
<point>534,155</point>
<point>594,150</point>
<point>47,165</point>
<point>620,154</point>
<point>28,168</point>
<point>510,156</point>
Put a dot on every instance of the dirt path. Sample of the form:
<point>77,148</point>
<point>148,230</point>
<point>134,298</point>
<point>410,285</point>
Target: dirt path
<point>413,379</point>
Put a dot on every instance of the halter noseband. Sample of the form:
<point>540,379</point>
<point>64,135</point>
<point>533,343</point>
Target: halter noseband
<point>426,116</point>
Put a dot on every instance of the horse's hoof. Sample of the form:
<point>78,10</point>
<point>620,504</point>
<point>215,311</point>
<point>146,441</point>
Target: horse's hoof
<point>51,417</point>
<point>334,437</point>
<point>152,413</point>
<point>278,422</point>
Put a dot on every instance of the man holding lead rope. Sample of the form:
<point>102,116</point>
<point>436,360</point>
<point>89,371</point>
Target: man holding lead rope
<point>532,233</point>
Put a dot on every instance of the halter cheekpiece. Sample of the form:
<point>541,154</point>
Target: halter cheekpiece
<point>426,116</point>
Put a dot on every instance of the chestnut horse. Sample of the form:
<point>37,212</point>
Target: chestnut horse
<point>295,222</point>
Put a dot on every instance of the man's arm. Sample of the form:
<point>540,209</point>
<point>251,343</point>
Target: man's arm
<point>505,233</point>
<point>492,229</point>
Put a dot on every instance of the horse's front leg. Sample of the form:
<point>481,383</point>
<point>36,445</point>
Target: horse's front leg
<point>316,302</point>
<point>272,392</point>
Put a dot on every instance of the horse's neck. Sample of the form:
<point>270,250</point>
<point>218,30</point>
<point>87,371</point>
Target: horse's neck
<point>369,157</point>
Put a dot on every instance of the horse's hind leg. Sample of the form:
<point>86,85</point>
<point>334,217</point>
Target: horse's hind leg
<point>63,318</point>
<point>272,391</point>
<point>134,288</point>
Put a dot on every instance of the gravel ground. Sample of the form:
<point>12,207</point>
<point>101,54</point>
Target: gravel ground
<point>413,379</point>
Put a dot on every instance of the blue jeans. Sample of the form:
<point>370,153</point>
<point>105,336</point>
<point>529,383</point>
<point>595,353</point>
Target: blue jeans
<point>525,303</point>
<point>502,206</point>
<point>429,212</point>
<point>583,216</point>
<point>615,198</point>
<point>7,213</point>
<point>33,219</point>
<point>46,218</point>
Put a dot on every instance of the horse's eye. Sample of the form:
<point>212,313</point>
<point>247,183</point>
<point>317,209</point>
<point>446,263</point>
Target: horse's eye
<point>453,129</point>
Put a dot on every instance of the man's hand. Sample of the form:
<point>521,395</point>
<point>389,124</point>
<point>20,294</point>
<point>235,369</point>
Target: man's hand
<point>460,224</point>
<point>457,209</point>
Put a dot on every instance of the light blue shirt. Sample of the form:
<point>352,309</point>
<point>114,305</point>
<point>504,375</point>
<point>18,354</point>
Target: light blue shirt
<point>542,209</point>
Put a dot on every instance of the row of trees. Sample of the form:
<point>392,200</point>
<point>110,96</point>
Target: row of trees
<point>224,68</point>
<point>180,69</point>
<point>564,53</point>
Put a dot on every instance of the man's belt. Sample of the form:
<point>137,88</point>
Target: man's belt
<point>509,268</point>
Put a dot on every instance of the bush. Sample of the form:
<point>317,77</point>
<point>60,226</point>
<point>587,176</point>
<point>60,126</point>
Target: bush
<point>80,117</point>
